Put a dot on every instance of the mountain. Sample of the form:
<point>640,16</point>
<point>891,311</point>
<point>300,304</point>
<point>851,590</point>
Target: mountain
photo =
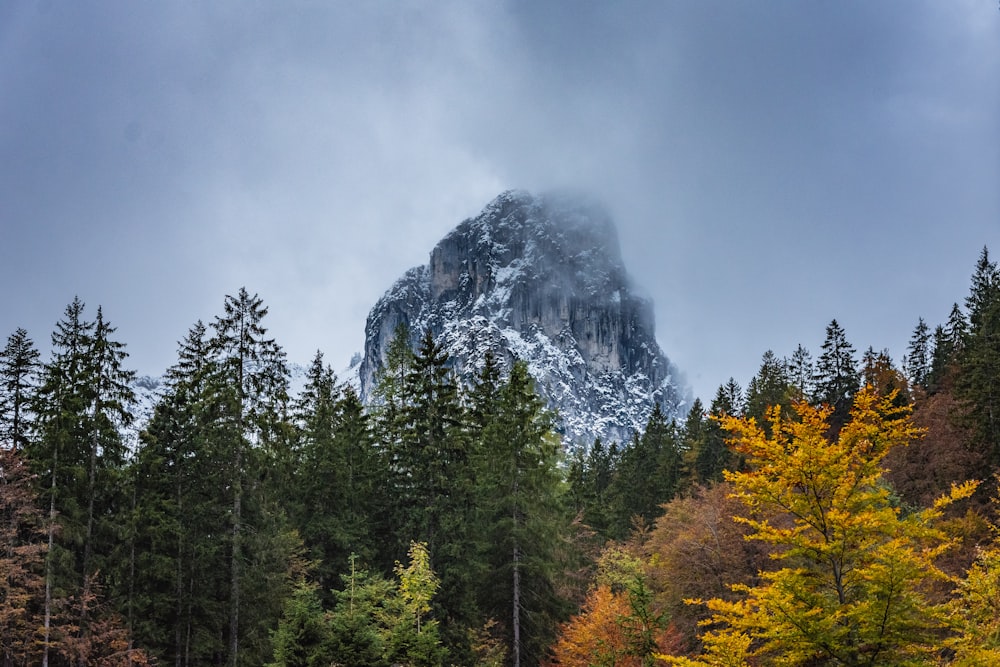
<point>538,278</point>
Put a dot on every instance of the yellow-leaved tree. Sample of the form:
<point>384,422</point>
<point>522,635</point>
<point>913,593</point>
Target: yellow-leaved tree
<point>856,572</point>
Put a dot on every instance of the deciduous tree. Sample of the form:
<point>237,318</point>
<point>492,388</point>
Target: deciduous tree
<point>853,588</point>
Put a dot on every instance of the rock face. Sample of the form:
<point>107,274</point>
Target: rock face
<point>539,279</point>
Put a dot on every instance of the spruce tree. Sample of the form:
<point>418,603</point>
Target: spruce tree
<point>519,491</point>
<point>56,456</point>
<point>837,379</point>
<point>714,456</point>
<point>435,484</point>
<point>19,366</point>
<point>800,374</point>
<point>918,355</point>
<point>648,474</point>
<point>693,436</point>
<point>111,403</point>
<point>180,584</point>
<point>942,361</point>
<point>250,383</point>
<point>339,471</point>
<point>978,380</point>
<point>84,401</point>
<point>769,387</point>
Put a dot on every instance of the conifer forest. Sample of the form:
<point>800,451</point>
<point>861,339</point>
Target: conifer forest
<point>838,510</point>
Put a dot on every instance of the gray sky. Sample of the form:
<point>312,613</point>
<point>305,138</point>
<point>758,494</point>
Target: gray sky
<point>771,166</point>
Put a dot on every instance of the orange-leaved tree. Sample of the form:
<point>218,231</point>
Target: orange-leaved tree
<point>618,625</point>
<point>856,572</point>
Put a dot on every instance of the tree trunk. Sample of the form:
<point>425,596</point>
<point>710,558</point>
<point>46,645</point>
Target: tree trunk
<point>47,623</point>
<point>516,617</point>
<point>234,585</point>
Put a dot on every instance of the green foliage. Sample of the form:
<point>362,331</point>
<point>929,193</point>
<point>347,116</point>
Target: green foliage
<point>374,622</point>
<point>649,473</point>
<point>518,492</point>
<point>303,637</point>
<point>712,456</point>
<point>978,381</point>
<point>918,355</point>
<point>837,379</point>
<point>19,366</point>
<point>338,468</point>
<point>770,386</point>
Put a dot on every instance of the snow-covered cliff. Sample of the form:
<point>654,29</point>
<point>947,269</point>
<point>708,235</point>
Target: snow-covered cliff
<point>538,278</point>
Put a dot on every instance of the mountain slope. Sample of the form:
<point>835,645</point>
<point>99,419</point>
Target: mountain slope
<point>538,278</point>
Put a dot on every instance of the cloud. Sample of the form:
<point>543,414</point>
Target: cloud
<point>769,167</point>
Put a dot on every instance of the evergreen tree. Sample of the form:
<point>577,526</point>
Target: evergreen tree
<point>769,387</point>
<point>339,471</point>
<point>111,402</point>
<point>84,401</point>
<point>180,477</point>
<point>978,381</point>
<point>250,383</point>
<point>800,374</point>
<point>714,455</point>
<point>19,366</point>
<point>435,485</point>
<point>433,453</point>
<point>648,474</point>
<point>694,437</point>
<point>519,492</point>
<point>942,360</point>
<point>836,378</point>
<point>598,467</point>
<point>303,637</point>
<point>390,393</point>
<point>918,355</point>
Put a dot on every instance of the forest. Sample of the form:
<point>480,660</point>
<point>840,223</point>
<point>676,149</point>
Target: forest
<point>839,510</point>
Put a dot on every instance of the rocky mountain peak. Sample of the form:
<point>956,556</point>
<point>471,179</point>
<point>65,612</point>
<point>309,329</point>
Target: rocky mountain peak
<point>538,278</point>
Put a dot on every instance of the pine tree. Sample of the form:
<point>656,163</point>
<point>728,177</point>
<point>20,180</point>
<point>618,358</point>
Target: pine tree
<point>648,474</point>
<point>836,378</point>
<point>769,387</point>
<point>56,457</point>
<point>918,355</point>
<point>111,402</point>
<point>978,380</point>
<point>714,455</point>
<point>251,382</point>
<point>19,366</point>
<point>800,374</point>
<point>518,490</point>
<point>339,470</point>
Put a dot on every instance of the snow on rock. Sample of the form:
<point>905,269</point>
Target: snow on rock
<point>538,278</point>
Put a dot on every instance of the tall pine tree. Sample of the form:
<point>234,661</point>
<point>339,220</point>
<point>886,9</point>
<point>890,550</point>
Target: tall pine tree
<point>518,491</point>
<point>19,366</point>
<point>250,383</point>
<point>837,379</point>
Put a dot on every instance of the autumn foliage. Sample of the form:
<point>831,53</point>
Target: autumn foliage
<point>856,571</point>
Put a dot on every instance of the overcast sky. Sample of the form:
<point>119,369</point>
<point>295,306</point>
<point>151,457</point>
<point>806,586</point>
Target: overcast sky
<point>770,165</point>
